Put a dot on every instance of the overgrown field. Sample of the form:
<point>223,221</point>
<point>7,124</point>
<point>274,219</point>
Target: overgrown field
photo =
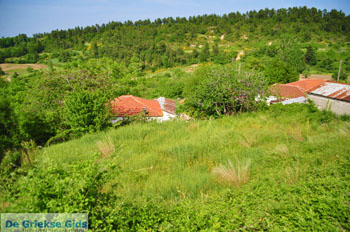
<point>283,169</point>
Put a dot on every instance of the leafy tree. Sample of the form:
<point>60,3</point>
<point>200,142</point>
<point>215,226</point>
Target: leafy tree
<point>86,111</point>
<point>215,50</point>
<point>217,91</point>
<point>310,57</point>
<point>205,53</point>
<point>8,122</point>
<point>280,72</point>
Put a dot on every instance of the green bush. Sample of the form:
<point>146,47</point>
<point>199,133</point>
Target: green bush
<point>86,111</point>
<point>219,90</point>
<point>280,72</point>
<point>8,125</point>
<point>84,187</point>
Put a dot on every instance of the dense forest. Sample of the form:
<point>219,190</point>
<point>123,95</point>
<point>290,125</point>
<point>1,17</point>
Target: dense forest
<point>169,42</point>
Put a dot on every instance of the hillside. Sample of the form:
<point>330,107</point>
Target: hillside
<point>159,58</point>
<point>237,165</point>
<point>290,171</point>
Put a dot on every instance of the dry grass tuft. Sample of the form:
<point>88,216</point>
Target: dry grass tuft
<point>233,175</point>
<point>281,149</point>
<point>295,133</point>
<point>106,147</point>
<point>250,140</point>
<point>345,129</point>
<point>294,173</point>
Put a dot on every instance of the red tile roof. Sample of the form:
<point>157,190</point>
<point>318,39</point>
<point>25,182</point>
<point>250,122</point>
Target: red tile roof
<point>128,105</point>
<point>287,91</point>
<point>308,85</point>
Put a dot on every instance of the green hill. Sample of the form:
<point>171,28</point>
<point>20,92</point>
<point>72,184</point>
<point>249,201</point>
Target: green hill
<point>286,168</point>
<point>239,165</point>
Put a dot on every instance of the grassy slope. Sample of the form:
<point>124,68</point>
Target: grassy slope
<point>298,175</point>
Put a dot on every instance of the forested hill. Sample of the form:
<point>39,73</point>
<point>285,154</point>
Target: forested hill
<point>169,42</point>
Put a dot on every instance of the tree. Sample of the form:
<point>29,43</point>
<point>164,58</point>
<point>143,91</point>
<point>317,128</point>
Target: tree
<point>219,90</point>
<point>278,71</point>
<point>215,50</point>
<point>205,53</point>
<point>8,122</point>
<point>291,53</point>
<point>86,111</point>
<point>310,57</point>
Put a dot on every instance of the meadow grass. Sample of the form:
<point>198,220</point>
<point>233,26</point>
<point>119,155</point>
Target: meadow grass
<point>285,169</point>
<point>175,159</point>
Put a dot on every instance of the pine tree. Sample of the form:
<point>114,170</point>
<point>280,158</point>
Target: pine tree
<point>310,57</point>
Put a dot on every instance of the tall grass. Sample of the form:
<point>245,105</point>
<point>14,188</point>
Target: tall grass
<point>235,175</point>
<point>177,159</point>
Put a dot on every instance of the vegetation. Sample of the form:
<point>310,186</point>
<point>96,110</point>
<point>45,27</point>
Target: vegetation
<point>238,165</point>
<point>286,174</point>
<point>223,91</point>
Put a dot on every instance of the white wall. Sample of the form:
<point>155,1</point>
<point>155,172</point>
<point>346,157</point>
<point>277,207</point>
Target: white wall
<point>338,107</point>
<point>166,116</point>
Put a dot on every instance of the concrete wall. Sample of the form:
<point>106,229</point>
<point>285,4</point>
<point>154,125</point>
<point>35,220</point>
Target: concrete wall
<point>336,106</point>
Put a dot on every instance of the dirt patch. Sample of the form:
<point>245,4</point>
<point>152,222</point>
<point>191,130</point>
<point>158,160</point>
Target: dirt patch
<point>191,68</point>
<point>8,67</point>
<point>222,37</point>
<point>239,55</point>
<point>316,76</point>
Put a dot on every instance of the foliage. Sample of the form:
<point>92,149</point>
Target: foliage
<point>84,183</point>
<point>8,123</point>
<point>310,57</point>
<point>86,111</point>
<point>167,42</point>
<point>216,91</point>
<point>280,72</point>
<point>343,76</point>
<point>298,179</point>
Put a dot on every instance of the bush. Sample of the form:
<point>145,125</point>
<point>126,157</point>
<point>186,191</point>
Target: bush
<point>8,126</point>
<point>280,72</point>
<point>86,111</point>
<point>46,189</point>
<point>219,90</point>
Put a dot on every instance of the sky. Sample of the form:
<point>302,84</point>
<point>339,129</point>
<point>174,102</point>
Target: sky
<point>39,16</point>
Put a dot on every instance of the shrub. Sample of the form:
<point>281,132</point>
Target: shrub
<point>86,111</point>
<point>219,90</point>
<point>8,126</point>
<point>86,184</point>
<point>280,72</point>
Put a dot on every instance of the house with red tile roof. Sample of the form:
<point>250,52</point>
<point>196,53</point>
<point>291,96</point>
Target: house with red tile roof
<point>128,105</point>
<point>332,95</point>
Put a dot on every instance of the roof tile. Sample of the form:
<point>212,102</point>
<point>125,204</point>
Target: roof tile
<point>128,105</point>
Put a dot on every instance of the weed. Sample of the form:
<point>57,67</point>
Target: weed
<point>233,175</point>
<point>293,173</point>
<point>250,141</point>
<point>281,149</point>
<point>106,147</point>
